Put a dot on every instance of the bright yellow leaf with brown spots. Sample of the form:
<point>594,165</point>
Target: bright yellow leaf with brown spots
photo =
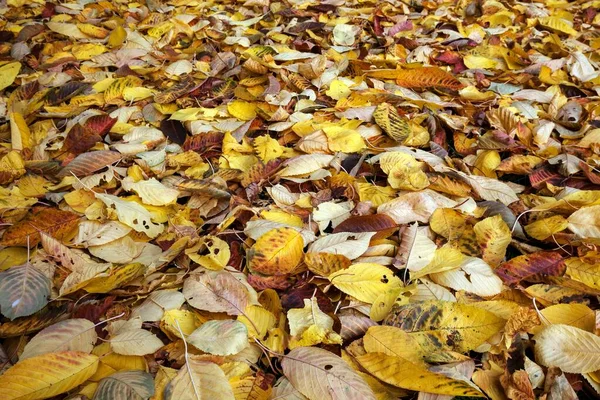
<point>493,236</point>
<point>544,228</point>
<point>277,252</point>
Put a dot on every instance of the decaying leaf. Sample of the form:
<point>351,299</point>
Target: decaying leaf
<point>264,200</point>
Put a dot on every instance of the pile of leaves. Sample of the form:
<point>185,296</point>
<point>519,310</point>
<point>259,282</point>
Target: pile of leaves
<point>299,199</point>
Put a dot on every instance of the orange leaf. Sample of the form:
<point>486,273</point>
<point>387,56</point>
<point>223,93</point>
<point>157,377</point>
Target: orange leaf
<point>427,77</point>
<point>54,222</point>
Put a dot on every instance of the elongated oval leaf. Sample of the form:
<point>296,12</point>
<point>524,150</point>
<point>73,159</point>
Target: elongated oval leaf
<point>199,380</point>
<point>47,375</point>
<point>220,337</point>
<point>217,292</point>
<point>23,291</point>
<point>54,222</point>
<point>541,263</point>
<point>126,385</point>
<point>154,307</point>
<point>135,342</point>
<point>445,325</point>
<point>365,281</point>
<point>76,334</point>
<point>319,374</point>
<point>277,252</point>
<point>571,349</point>
<point>402,373</point>
<point>88,163</point>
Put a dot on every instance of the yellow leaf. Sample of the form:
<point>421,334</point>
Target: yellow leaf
<point>479,62</point>
<point>310,326</point>
<point>114,92</point>
<point>93,30</point>
<point>47,375</point>
<point>258,320</point>
<point>343,139</point>
<point>577,315</point>
<point>377,195</point>
<point>19,132</point>
<point>8,73</point>
<point>544,228</point>
<point>549,77</point>
<point>388,119</point>
<point>402,373</point>
<point>11,256</point>
<point>137,93</point>
<point>473,94</point>
<point>117,36</point>
<point>163,378</point>
<point>338,90</point>
<point>251,388</point>
<point>187,321</point>
<point>242,110</point>
<point>446,325</point>
<point>427,77</point>
<point>282,217</point>
<point>486,163</point>
<point>111,362</point>
<point>267,148</point>
<point>119,276</point>
<point>404,171</point>
<point>210,252</point>
<point>277,252</point>
<point>33,185</point>
<point>396,342</point>
<point>385,301</point>
<point>558,24</point>
<point>324,264</point>
<point>493,236</point>
<point>449,223</point>
<point>86,51</point>
<point>444,259</point>
<point>585,269</point>
<point>11,167</point>
<point>364,281</point>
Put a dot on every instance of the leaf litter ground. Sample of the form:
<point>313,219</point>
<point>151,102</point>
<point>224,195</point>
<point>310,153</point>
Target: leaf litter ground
<point>299,199</point>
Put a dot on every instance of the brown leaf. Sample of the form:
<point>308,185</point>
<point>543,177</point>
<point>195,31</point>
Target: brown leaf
<point>52,221</point>
<point>179,89</point>
<point>80,140</point>
<point>531,267</point>
<point>380,223</point>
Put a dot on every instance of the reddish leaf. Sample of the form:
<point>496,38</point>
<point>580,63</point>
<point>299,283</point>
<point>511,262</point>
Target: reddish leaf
<point>80,140</point>
<point>531,267</point>
<point>88,163</point>
<point>100,124</point>
<point>294,297</point>
<point>380,223</point>
<point>539,177</point>
<point>208,144</point>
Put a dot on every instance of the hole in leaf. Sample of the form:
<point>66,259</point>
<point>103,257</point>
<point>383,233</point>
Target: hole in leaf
<point>328,367</point>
